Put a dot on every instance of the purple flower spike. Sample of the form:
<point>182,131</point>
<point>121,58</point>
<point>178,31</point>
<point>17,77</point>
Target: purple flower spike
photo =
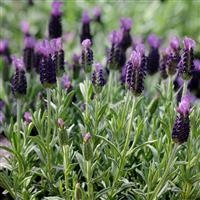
<point>85,17</point>
<point>175,43</point>
<point>29,42</point>
<point>76,58</point>
<point>27,117</point>
<point>25,27</point>
<point>66,83</point>
<point>154,41</point>
<point>189,43</point>
<point>18,62</point>
<point>86,43</point>
<point>184,106</point>
<point>115,37</point>
<point>56,44</point>
<point>56,6</point>
<point>98,66</point>
<point>126,24</point>
<point>135,59</point>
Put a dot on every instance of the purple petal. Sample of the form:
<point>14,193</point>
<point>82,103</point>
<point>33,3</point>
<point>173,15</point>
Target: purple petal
<point>154,41</point>
<point>184,106</point>
<point>126,23</point>
<point>66,82</point>
<point>18,62</point>
<point>87,137</point>
<point>115,37</point>
<point>56,6</point>
<point>175,43</point>
<point>61,123</point>
<point>189,43</point>
<point>135,58</point>
<point>97,11</point>
<point>140,48</point>
<point>86,43</point>
<point>25,26</point>
<point>3,45</point>
<point>98,66</point>
<point>76,58</point>
<point>27,117</point>
<point>56,44</point>
<point>85,17</point>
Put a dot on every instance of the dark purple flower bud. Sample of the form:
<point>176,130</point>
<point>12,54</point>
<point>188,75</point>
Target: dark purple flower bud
<point>55,25</point>
<point>85,30</point>
<point>87,147</point>
<point>87,56</point>
<point>28,53</point>
<point>187,60</point>
<point>47,66</point>
<point>25,28</point>
<point>116,57</point>
<point>98,79</point>
<point>194,83</point>
<point>181,127</point>
<point>58,56</point>
<point>75,66</point>
<point>153,61</point>
<point>27,117</point>
<point>5,51</point>
<point>18,82</point>
<point>97,14</point>
<point>163,66</point>
<point>126,24</point>
<point>135,71</point>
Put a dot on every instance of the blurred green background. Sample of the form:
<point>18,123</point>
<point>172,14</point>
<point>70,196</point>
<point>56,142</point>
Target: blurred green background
<point>163,17</point>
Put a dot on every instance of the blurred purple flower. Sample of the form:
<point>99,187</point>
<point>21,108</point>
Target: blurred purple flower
<point>27,117</point>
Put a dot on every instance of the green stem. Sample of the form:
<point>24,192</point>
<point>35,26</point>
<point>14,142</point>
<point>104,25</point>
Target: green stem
<point>86,104</point>
<point>110,82</point>
<point>49,132</point>
<point>185,84</point>
<point>18,116</point>
<point>59,92</point>
<point>170,87</point>
<point>66,168</point>
<point>124,151</point>
<point>164,178</point>
<point>89,181</point>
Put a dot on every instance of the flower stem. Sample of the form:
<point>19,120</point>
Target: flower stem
<point>89,181</point>
<point>170,87</point>
<point>164,178</point>
<point>185,84</point>
<point>66,168</point>
<point>124,151</point>
<point>49,132</point>
<point>18,116</point>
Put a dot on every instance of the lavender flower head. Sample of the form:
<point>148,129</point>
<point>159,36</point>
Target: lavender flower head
<point>55,25</point>
<point>181,127</point>
<point>27,117</point>
<point>76,58</point>
<point>5,51</point>
<point>87,56</point>
<point>98,79</point>
<point>164,61</point>
<point>28,52</point>
<point>126,24</point>
<point>97,12</point>
<point>115,37</point>
<point>58,56</point>
<point>154,56</point>
<point>56,8</point>
<point>66,83</point>
<point>18,82</point>
<point>85,30</point>
<point>47,65</point>
<point>135,71</point>
<point>187,60</point>
<point>175,44</point>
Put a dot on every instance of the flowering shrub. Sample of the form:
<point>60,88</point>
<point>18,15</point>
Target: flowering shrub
<point>82,123</point>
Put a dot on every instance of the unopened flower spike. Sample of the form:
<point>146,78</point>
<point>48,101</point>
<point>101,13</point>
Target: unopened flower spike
<point>116,57</point>
<point>97,14</point>
<point>66,83</point>
<point>154,56</point>
<point>163,64</point>
<point>85,29</point>
<point>98,78</point>
<point>47,66</point>
<point>87,55</point>
<point>28,53</point>
<point>75,66</point>
<point>181,127</point>
<point>55,25</point>
<point>58,56</point>
<point>187,59</point>
<point>18,82</point>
